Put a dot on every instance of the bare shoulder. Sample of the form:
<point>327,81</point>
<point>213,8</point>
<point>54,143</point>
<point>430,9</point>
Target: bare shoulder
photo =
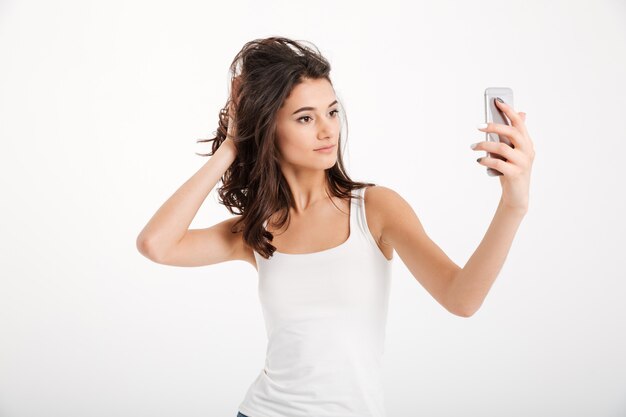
<point>384,207</point>
<point>399,227</point>
<point>377,201</point>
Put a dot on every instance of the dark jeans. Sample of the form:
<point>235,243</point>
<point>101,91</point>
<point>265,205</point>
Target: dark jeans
<point>241,415</point>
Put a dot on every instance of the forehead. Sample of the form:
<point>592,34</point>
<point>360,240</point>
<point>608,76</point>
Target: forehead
<point>315,93</point>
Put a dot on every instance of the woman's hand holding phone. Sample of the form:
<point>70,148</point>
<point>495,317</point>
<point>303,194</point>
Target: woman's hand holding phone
<point>519,156</point>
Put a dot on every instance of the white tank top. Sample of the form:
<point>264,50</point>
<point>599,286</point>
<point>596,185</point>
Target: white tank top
<point>325,315</point>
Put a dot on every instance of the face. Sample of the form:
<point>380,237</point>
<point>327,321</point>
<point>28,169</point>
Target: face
<point>309,120</point>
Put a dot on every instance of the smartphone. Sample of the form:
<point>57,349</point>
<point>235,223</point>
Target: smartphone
<point>494,115</point>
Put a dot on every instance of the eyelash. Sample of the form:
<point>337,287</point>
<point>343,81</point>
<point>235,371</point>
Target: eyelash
<point>337,111</point>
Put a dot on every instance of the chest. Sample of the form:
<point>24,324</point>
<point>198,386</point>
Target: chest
<point>316,231</point>
<point>325,228</point>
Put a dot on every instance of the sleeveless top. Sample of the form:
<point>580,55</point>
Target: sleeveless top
<point>325,316</point>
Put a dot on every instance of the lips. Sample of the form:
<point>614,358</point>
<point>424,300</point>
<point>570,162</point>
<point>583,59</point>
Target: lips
<point>327,147</point>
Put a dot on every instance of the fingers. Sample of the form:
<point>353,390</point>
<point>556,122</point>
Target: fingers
<point>502,149</point>
<point>234,96</point>
<point>517,120</point>
<point>234,90</point>
<point>506,168</point>
<point>519,155</point>
<point>514,135</point>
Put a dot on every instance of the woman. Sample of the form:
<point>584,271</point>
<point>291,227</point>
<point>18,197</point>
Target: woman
<point>322,249</point>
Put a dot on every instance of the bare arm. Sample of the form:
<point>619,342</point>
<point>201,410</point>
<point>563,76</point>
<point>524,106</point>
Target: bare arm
<point>402,229</point>
<point>470,285</point>
<point>460,290</point>
<point>171,221</point>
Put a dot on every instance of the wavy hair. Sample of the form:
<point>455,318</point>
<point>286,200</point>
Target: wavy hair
<point>254,186</point>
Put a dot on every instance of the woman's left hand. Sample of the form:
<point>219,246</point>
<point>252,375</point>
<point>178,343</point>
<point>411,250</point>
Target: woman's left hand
<point>516,169</point>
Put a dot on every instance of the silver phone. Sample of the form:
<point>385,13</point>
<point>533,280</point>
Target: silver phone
<point>494,115</point>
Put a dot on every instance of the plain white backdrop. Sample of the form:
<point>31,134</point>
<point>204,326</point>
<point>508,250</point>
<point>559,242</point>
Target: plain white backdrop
<point>101,104</point>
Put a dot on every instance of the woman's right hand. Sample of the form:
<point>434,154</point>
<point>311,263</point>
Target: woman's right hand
<point>234,95</point>
<point>231,131</point>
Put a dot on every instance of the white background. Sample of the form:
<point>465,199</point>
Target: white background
<point>101,104</point>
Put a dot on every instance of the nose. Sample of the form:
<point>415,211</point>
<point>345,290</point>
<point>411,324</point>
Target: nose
<point>326,128</point>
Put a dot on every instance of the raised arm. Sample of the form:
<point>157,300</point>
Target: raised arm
<point>460,290</point>
<point>401,229</point>
<point>167,238</point>
<point>169,225</point>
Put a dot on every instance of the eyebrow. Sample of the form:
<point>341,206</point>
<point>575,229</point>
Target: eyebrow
<point>310,108</point>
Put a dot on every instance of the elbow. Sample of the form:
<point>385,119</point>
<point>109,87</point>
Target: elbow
<point>145,247</point>
<point>462,309</point>
<point>466,312</point>
<point>460,312</point>
<point>457,302</point>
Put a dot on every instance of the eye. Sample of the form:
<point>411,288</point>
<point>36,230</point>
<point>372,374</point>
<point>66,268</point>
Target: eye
<point>308,117</point>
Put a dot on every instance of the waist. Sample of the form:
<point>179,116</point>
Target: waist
<point>329,389</point>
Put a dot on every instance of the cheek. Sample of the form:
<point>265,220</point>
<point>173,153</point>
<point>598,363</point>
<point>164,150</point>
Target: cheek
<point>292,149</point>
<point>292,140</point>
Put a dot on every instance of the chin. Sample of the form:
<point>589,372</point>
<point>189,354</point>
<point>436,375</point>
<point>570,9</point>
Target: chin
<point>331,163</point>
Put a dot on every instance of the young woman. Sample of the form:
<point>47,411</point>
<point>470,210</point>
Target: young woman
<point>322,243</point>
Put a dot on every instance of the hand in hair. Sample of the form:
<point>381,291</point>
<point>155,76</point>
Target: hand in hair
<point>234,96</point>
<point>232,105</point>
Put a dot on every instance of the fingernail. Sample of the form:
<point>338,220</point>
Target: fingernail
<point>499,99</point>
<point>473,145</point>
<point>482,126</point>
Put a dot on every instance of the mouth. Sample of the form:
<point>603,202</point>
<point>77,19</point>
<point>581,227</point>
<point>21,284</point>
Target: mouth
<point>325,148</point>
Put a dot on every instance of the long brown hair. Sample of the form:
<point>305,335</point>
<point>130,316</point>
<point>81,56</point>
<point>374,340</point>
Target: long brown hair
<point>267,70</point>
